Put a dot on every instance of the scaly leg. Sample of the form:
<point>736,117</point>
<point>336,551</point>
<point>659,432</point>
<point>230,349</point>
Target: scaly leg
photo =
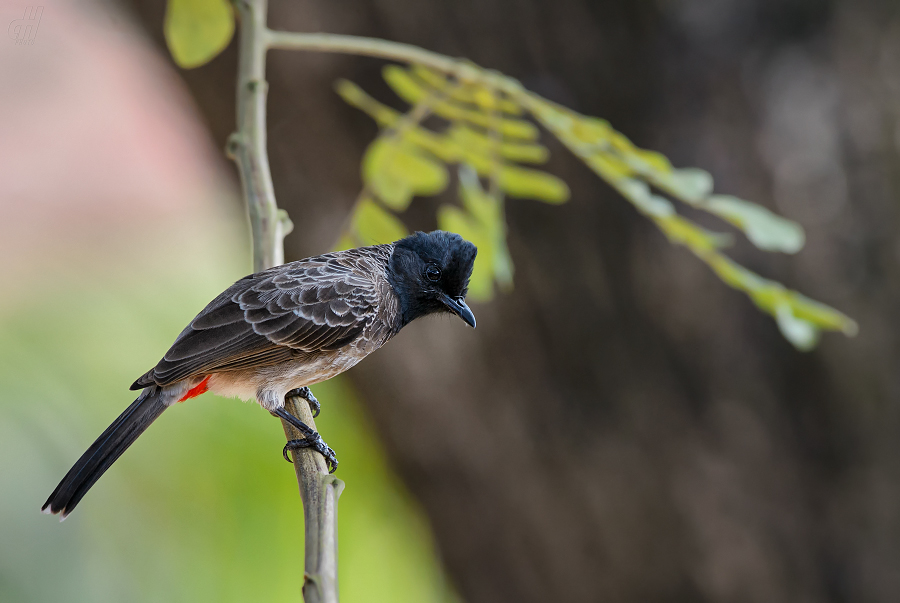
<point>311,439</point>
<point>306,394</point>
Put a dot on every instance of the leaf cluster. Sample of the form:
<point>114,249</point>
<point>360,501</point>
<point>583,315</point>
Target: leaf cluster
<point>484,137</point>
<point>489,139</point>
<point>487,134</point>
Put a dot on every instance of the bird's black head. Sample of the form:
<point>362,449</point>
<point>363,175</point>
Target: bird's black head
<point>430,273</point>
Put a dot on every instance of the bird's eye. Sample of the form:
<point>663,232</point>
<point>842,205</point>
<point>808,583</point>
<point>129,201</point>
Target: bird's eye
<point>433,273</point>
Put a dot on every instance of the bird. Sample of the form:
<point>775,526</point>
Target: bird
<point>276,332</point>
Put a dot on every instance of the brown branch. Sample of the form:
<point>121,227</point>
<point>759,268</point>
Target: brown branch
<point>269,225</point>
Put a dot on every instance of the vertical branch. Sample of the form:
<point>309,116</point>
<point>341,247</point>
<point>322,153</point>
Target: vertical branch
<point>269,225</point>
<point>247,146</point>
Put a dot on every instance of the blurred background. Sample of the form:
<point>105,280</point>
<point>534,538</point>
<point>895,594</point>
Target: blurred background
<point>621,426</point>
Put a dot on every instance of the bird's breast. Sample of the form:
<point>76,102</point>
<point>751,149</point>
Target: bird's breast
<point>269,384</point>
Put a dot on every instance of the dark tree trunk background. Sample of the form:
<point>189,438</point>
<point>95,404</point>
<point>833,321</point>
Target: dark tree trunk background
<point>622,427</point>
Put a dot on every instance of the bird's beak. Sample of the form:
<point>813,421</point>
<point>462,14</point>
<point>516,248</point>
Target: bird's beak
<point>458,306</point>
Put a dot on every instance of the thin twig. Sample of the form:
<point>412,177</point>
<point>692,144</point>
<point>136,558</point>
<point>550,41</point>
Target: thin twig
<point>247,146</point>
<point>463,70</point>
<point>269,225</point>
<point>358,45</point>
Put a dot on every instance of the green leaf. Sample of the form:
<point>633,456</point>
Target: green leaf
<point>355,96</point>
<point>684,232</point>
<point>197,31</point>
<point>522,152</point>
<point>609,167</point>
<point>453,219</point>
<point>488,213</point>
<point>690,184</point>
<point>461,144</point>
<point>801,333</point>
<point>395,171</point>
<point>591,130</point>
<point>652,161</point>
<point>639,193</point>
<point>763,228</point>
<point>533,184</point>
<point>821,315</point>
<point>799,318</point>
<point>375,225</point>
<point>482,223</point>
<point>438,145</point>
<point>414,91</point>
<point>476,200</point>
<point>465,93</point>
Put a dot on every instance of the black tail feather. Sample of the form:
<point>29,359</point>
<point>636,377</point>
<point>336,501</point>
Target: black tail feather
<point>104,451</point>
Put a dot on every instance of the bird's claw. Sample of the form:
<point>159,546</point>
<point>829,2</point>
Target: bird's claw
<point>316,443</point>
<point>306,394</point>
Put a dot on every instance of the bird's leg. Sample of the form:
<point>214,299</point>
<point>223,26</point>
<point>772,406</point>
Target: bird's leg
<point>311,439</point>
<point>306,394</point>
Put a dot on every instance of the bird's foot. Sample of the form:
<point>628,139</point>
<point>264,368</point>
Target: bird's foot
<point>315,442</point>
<point>306,394</point>
<point>311,439</point>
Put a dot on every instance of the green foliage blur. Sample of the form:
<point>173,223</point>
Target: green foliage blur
<point>202,507</point>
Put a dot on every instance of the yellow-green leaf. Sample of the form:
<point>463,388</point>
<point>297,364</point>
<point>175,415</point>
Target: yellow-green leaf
<point>620,143</point>
<point>690,184</point>
<point>453,219</point>
<point>395,171</point>
<point>799,332</point>
<point>480,204</point>
<point>466,94</point>
<point>523,152</point>
<point>684,232</point>
<point>591,130</point>
<point>459,144</point>
<point>488,212</point>
<point>375,225</point>
<point>652,161</point>
<point>197,31</point>
<point>639,193</point>
<point>609,167</point>
<point>763,228</point>
<point>533,184</point>
<point>413,91</point>
<point>821,315</point>
<point>799,318</point>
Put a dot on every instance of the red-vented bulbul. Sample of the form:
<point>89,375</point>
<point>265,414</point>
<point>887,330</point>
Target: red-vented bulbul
<point>286,328</point>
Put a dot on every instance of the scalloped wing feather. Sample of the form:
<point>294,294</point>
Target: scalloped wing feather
<point>287,312</point>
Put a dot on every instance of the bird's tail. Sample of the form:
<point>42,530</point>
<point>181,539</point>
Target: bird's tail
<point>106,449</point>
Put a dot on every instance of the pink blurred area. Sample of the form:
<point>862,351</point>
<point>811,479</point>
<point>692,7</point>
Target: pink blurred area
<point>98,139</point>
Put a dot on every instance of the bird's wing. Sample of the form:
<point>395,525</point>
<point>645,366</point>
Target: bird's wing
<point>304,307</point>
